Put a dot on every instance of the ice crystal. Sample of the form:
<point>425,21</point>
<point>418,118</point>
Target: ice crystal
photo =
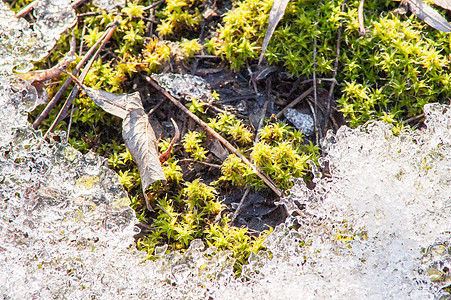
<point>22,43</point>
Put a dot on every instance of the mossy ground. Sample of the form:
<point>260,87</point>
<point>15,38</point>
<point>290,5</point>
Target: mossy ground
<point>388,74</point>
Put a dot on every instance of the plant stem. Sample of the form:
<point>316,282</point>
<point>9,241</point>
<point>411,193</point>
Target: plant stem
<point>226,143</point>
<point>294,102</point>
<point>63,88</point>
<point>74,92</point>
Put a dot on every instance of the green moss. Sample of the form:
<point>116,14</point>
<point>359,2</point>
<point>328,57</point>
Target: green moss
<point>388,74</point>
<point>178,16</point>
<point>241,35</point>
<point>192,142</point>
<point>229,126</point>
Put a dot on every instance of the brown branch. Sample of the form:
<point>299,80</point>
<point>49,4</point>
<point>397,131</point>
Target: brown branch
<point>201,162</point>
<point>153,5</point>
<point>74,92</point>
<point>226,143</point>
<point>51,104</point>
<point>294,102</point>
<point>44,75</point>
<point>77,3</point>
<point>414,118</point>
<point>240,207</point>
<point>24,11</point>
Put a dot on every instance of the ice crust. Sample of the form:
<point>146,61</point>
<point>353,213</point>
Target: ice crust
<point>22,43</point>
<point>378,228</point>
<point>66,230</point>
<point>108,5</point>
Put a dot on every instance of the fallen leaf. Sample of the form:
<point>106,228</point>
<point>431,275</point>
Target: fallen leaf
<point>140,140</point>
<point>137,132</point>
<point>429,15</point>
<point>112,103</point>
<point>43,75</point>
<point>277,12</point>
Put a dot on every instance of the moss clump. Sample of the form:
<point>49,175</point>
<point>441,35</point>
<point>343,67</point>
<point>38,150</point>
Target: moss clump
<point>191,210</point>
<point>240,37</point>
<point>388,74</point>
<point>280,153</point>
<point>178,16</point>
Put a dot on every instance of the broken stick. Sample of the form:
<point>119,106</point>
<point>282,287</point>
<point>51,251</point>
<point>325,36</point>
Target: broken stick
<point>294,102</point>
<point>226,143</point>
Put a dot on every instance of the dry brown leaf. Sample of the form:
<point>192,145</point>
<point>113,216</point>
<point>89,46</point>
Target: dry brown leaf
<point>137,132</point>
<point>141,142</point>
<point>43,75</point>
<point>111,103</point>
<point>429,15</point>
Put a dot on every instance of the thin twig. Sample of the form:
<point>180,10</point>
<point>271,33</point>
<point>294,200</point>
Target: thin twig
<point>157,106</point>
<point>24,11</point>
<point>83,31</point>
<point>165,211</point>
<point>201,162</point>
<point>226,143</point>
<point>414,118</point>
<point>260,123</point>
<point>153,5</point>
<point>315,92</point>
<point>317,80</point>
<point>51,104</point>
<point>74,92</point>
<point>77,3</point>
<point>334,74</point>
<point>55,71</point>
<point>294,102</point>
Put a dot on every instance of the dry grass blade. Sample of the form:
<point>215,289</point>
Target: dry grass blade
<point>429,15</point>
<point>60,92</point>
<point>76,89</point>
<point>277,12</point>
<point>362,30</point>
